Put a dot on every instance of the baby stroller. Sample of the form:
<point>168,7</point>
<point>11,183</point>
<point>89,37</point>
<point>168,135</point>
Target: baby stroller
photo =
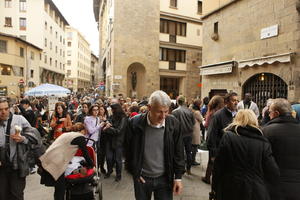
<point>85,186</point>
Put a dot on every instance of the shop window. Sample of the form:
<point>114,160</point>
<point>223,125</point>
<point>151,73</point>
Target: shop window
<point>6,70</point>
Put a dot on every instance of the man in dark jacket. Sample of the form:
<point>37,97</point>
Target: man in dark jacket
<point>283,132</point>
<point>14,147</point>
<point>154,151</point>
<point>220,120</point>
<point>187,121</point>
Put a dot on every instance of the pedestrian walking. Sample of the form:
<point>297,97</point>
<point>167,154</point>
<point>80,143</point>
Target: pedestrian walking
<point>154,151</point>
<point>114,130</point>
<point>244,162</point>
<point>187,120</point>
<point>283,132</point>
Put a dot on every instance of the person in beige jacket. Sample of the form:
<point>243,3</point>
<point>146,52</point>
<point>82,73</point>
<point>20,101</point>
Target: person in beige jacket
<point>57,157</point>
<point>196,138</point>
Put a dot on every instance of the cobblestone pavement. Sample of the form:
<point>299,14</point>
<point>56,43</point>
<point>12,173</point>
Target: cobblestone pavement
<point>194,188</point>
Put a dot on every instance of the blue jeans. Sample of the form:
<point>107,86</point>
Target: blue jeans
<point>159,186</point>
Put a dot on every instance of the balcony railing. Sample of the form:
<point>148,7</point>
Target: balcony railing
<point>172,65</point>
<point>172,38</point>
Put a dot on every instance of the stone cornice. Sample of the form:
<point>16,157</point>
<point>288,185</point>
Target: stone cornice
<point>185,46</point>
<point>179,17</point>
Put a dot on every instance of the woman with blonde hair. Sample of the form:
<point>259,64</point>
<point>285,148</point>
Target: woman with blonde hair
<point>244,163</point>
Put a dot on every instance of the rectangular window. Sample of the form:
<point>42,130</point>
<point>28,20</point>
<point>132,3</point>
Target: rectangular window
<point>45,42</point>
<point>216,27</point>
<point>69,44</point>
<point>8,22</point>
<point>7,3</point>
<point>45,59</point>
<point>56,35</point>
<point>32,55</point>
<point>23,24</point>
<point>40,56</point>
<point>68,62</point>
<point>164,26</point>
<point>21,52</point>
<point>55,63</point>
<point>69,53</point>
<point>31,73</point>
<point>173,3</point>
<point>56,49</point>
<point>22,5</point>
<point>6,70</point>
<point>172,55</point>
<point>50,61</point>
<point>51,29</point>
<point>3,46</point>
<point>46,25</point>
<point>199,7</point>
<point>68,72</point>
<point>172,27</point>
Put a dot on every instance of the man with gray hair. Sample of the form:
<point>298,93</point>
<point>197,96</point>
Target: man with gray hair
<point>154,151</point>
<point>283,132</point>
<point>15,141</point>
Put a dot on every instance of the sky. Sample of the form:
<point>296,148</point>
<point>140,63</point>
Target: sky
<point>80,15</point>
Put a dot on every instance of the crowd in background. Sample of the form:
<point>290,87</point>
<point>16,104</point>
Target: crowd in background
<point>203,122</point>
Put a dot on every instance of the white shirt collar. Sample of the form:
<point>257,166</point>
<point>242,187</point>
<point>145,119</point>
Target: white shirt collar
<point>162,125</point>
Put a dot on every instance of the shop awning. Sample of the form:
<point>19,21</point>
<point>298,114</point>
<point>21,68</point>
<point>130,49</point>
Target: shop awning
<point>282,58</point>
<point>218,68</point>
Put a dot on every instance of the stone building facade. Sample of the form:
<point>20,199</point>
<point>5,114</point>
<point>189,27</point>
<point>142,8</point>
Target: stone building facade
<point>42,24</point>
<point>252,46</point>
<point>139,53</point>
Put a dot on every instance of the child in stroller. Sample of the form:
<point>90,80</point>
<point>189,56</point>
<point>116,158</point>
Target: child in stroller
<point>57,157</point>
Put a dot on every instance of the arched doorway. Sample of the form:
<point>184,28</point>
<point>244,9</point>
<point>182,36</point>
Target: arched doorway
<point>264,86</point>
<point>136,80</point>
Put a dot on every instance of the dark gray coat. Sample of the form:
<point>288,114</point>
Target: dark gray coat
<point>284,135</point>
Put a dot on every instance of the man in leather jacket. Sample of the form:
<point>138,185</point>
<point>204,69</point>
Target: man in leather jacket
<point>154,151</point>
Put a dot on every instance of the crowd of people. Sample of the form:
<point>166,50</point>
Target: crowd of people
<point>252,154</point>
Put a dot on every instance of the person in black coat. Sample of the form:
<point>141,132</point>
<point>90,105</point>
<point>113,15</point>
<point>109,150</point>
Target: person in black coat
<point>114,131</point>
<point>27,112</point>
<point>283,132</point>
<point>244,162</point>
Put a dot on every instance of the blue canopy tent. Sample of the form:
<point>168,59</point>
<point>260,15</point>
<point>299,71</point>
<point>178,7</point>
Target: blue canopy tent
<point>48,90</point>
